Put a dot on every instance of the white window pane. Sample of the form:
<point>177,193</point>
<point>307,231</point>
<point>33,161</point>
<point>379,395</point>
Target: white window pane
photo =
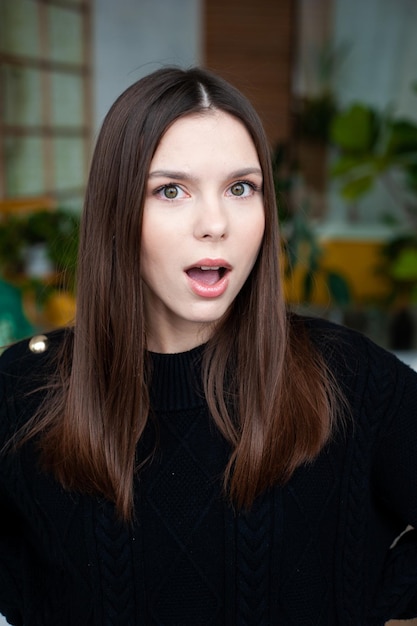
<point>22,96</point>
<point>69,163</point>
<point>19,30</point>
<point>24,166</point>
<point>71,202</point>
<point>67,100</point>
<point>65,35</point>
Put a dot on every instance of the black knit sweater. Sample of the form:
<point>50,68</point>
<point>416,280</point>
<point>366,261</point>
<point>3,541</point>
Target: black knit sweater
<point>315,552</point>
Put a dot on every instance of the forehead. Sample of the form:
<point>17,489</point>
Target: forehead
<point>211,134</point>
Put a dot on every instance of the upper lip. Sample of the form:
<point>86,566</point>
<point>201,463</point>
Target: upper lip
<point>210,263</point>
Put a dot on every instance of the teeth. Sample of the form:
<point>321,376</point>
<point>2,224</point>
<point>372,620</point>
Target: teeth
<point>209,267</point>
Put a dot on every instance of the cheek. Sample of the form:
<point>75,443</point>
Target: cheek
<point>155,234</point>
<point>149,247</point>
<point>251,241</point>
<point>159,249</point>
<point>255,230</point>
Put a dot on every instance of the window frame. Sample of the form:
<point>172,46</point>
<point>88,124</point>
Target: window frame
<point>48,131</point>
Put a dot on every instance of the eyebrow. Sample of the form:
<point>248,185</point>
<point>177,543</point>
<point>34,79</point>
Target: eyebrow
<point>175,174</point>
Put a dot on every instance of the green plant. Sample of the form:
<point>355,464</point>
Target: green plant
<point>57,230</point>
<point>315,110</point>
<point>376,147</point>
<point>302,246</point>
<point>381,148</point>
<point>400,264</point>
<point>314,115</point>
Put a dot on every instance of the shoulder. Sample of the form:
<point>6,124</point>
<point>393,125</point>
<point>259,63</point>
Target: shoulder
<point>349,351</point>
<point>359,364</point>
<point>27,368</point>
<point>333,341</point>
<point>28,364</point>
<point>323,333</point>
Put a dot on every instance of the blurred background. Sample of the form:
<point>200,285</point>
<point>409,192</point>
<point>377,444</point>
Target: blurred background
<point>335,84</point>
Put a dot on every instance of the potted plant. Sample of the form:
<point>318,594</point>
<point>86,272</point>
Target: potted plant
<point>376,147</point>
<point>38,253</point>
<point>302,250</point>
<point>313,115</point>
<point>381,148</point>
<point>56,231</point>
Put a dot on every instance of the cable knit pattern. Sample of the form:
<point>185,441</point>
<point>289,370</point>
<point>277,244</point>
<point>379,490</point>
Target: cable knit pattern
<point>381,393</point>
<point>316,552</point>
<point>307,505</point>
<point>181,512</point>
<point>373,398</point>
<point>254,532</point>
<point>115,566</point>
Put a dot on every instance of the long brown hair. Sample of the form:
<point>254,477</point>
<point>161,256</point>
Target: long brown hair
<point>93,419</point>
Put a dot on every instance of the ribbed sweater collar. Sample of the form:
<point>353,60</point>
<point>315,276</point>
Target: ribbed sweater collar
<point>176,380</point>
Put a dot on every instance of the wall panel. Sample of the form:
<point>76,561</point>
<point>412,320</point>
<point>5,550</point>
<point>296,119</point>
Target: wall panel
<point>251,44</point>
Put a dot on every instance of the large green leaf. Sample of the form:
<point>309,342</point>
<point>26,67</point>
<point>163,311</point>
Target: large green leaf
<point>356,187</point>
<point>339,289</point>
<point>403,137</point>
<point>308,284</point>
<point>345,164</point>
<point>354,130</point>
<point>404,268</point>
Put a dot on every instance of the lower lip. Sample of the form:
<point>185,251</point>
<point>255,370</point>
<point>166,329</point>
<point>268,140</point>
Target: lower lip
<point>209,291</point>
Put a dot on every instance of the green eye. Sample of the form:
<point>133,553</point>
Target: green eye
<point>238,189</point>
<point>170,192</point>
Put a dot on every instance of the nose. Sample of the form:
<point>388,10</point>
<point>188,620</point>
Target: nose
<point>211,221</point>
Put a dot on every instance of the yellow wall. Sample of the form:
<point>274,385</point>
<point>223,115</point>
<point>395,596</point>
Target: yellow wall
<point>357,261</point>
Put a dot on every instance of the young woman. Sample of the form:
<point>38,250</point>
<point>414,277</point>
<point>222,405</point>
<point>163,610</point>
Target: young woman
<point>189,453</point>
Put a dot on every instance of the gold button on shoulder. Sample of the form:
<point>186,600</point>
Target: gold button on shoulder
<point>38,344</point>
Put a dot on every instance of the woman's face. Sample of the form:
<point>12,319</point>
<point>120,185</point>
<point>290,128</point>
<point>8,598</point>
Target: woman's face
<point>203,225</point>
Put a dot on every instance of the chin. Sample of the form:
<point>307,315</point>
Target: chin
<point>211,318</point>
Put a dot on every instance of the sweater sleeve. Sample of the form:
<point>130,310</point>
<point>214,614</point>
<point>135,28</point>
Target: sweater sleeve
<point>10,536</point>
<point>395,480</point>
<point>10,577</point>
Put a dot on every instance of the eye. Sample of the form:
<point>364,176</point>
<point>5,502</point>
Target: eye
<point>170,192</point>
<point>242,189</point>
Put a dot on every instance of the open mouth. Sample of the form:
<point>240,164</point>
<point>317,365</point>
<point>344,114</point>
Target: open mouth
<point>207,275</point>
